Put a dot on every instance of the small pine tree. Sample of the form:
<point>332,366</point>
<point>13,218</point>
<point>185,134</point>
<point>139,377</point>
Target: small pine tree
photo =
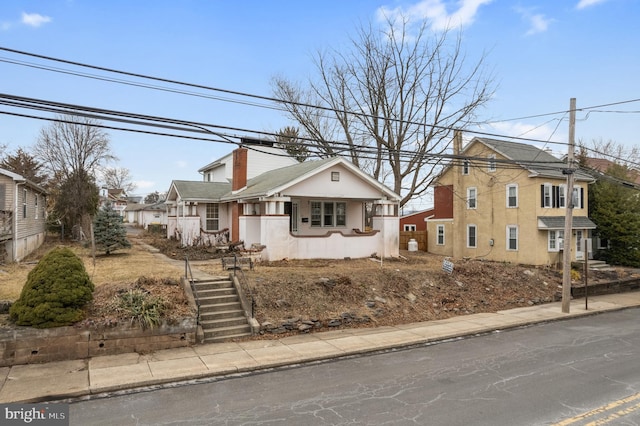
<point>108,230</point>
<point>55,292</point>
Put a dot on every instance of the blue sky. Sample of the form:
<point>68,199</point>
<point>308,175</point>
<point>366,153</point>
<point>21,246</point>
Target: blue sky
<point>541,52</point>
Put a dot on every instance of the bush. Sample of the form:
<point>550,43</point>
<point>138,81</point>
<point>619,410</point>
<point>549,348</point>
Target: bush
<point>141,307</point>
<point>55,292</point>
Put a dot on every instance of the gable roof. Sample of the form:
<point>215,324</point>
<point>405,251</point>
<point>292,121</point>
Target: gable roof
<point>531,158</point>
<point>19,178</point>
<point>198,190</point>
<point>278,180</point>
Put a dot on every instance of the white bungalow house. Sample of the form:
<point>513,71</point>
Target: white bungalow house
<point>22,216</point>
<point>316,209</point>
<point>146,214</point>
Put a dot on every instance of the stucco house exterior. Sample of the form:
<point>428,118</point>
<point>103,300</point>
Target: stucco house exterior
<point>506,201</point>
<point>146,214</point>
<point>315,209</point>
<point>22,216</point>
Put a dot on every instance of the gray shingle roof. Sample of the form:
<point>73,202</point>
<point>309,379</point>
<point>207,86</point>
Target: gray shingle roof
<point>268,181</point>
<point>557,222</point>
<point>197,190</point>
<point>531,158</point>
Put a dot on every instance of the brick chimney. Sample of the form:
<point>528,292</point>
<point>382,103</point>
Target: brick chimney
<point>239,169</point>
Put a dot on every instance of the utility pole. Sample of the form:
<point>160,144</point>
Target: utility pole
<point>568,218</point>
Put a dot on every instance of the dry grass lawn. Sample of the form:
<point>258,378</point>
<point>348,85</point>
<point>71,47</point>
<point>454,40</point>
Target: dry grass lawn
<point>125,266</point>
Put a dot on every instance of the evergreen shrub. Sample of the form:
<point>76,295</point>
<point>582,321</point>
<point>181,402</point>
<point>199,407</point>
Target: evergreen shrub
<point>55,293</point>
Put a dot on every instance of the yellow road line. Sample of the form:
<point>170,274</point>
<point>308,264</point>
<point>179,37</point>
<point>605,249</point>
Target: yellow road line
<point>600,410</point>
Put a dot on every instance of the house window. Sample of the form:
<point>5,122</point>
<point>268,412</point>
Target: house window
<point>213,219</point>
<point>547,198</point>
<point>562,197</point>
<point>472,198</point>
<point>328,214</point>
<point>335,176</point>
<point>472,236</point>
<point>465,167</point>
<point>36,206</point>
<point>491,166</point>
<point>555,240</point>
<point>512,196</point>
<point>577,199</point>
<point>24,203</point>
<point>440,235</point>
<point>410,228</point>
<point>512,237</point>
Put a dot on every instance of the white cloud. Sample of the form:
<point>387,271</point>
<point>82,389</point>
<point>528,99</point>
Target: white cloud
<point>34,19</point>
<point>538,23</point>
<point>435,11</point>
<point>582,4</point>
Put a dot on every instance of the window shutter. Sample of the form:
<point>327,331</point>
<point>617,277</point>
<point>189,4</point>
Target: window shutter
<point>554,196</point>
<point>582,198</point>
<point>542,195</point>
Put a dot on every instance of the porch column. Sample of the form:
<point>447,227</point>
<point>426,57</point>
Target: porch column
<point>386,220</point>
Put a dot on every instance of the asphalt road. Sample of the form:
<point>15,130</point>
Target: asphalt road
<point>562,373</point>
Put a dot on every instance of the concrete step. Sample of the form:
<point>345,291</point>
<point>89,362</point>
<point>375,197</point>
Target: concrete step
<point>225,332</point>
<point>215,300</point>
<point>218,314</point>
<point>212,284</point>
<point>216,292</point>
<point>217,324</point>
<point>220,307</point>
<point>228,338</point>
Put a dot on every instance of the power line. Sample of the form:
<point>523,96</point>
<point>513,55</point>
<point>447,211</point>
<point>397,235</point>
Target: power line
<point>249,95</point>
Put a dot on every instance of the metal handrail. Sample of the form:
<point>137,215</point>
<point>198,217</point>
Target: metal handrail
<point>188,273</point>
<point>243,280</point>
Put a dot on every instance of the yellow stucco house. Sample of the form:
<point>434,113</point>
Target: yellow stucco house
<point>506,201</point>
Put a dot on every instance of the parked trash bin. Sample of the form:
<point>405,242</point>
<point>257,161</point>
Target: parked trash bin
<point>413,245</point>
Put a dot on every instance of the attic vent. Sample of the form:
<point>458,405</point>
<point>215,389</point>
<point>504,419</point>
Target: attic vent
<point>335,176</point>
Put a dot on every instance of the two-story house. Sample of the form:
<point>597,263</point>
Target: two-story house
<point>22,216</point>
<point>506,201</point>
<point>316,209</point>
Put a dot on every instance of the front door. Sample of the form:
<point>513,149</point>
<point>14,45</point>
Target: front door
<point>579,246</point>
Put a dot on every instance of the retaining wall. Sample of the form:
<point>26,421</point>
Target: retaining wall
<point>27,345</point>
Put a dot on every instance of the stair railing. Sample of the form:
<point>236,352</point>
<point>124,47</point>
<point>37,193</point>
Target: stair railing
<point>188,275</point>
<point>244,283</point>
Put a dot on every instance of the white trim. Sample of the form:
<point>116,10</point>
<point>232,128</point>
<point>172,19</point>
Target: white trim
<point>469,226</point>
<point>438,228</point>
<point>475,198</point>
<point>508,186</point>
<point>508,235</point>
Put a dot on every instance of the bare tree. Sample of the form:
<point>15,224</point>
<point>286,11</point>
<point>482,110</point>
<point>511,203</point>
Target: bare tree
<point>73,146</point>
<point>73,149</point>
<point>611,150</point>
<point>393,100</point>
<point>118,178</point>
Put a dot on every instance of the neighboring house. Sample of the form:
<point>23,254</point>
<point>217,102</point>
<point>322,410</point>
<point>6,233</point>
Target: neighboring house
<point>22,216</point>
<point>117,197</point>
<point>506,201</point>
<point>415,221</point>
<point>315,209</point>
<point>146,214</point>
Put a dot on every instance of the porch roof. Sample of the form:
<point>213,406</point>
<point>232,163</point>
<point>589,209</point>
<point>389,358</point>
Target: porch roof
<point>557,222</point>
<point>199,190</point>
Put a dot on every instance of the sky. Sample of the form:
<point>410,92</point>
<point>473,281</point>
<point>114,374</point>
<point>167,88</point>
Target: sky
<point>542,53</point>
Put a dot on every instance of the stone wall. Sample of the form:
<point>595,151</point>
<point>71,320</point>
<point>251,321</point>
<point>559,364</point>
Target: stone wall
<point>27,345</point>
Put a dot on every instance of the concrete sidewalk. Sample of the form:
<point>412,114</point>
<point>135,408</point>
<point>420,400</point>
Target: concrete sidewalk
<point>69,379</point>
